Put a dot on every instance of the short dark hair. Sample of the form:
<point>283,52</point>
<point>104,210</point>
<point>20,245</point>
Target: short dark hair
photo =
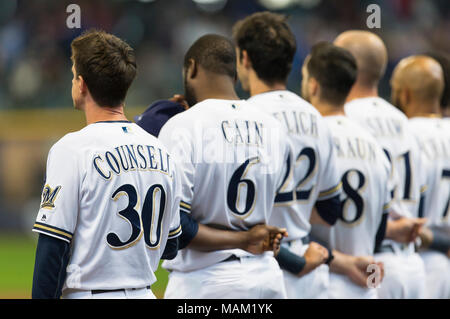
<point>335,69</point>
<point>107,65</point>
<point>270,45</point>
<point>215,53</point>
<point>443,59</point>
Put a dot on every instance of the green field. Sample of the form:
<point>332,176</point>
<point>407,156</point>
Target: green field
<point>17,263</point>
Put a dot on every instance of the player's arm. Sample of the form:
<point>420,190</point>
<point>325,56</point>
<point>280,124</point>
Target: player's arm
<point>256,240</point>
<point>52,256</point>
<point>354,267</point>
<point>56,221</point>
<point>326,211</point>
<point>403,229</point>
<point>381,231</point>
<point>328,207</point>
<point>435,239</point>
<point>314,256</point>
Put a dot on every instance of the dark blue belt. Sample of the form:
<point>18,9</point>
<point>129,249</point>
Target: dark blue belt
<point>101,291</point>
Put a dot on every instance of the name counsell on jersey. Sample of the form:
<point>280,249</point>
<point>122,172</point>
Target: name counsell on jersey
<point>126,158</point>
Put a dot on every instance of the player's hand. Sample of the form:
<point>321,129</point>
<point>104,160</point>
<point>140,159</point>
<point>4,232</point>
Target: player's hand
<point>426,237</point>
<point>315,256</point>
<point>404,230</point>
<point>178,98</point>
<point>261,238</point>
<point>357,269</point>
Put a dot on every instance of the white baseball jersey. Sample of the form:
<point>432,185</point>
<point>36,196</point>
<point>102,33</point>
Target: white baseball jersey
<point>231,160</point>
<point>112,191</point>
<point>312,173</point>
<point>433,137</point>
<point>389,126</point>
<point>366,187</point>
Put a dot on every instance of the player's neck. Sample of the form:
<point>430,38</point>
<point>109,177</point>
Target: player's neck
<point>359,92</point>
<point>217,87</point>
<point>423,109</point>
<point>95,113</point>
<point>327,109</point>
<point>257,86</point>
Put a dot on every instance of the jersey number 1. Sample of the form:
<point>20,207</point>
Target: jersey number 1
<point>140,224</point>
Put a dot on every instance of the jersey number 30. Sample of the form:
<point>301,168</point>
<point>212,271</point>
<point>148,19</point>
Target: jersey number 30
<point>140,224</point>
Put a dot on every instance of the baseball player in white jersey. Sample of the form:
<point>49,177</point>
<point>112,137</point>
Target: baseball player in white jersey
<point>328,75</point>
<point>264,61</point>
<point>404,269</point>
<point>422,78</point>
<point>231,160</point>
<point>112,192</point>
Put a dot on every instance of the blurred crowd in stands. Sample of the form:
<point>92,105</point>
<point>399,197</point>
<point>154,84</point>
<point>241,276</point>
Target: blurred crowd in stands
<point>35,41</point>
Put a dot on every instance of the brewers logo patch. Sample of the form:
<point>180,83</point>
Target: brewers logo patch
<point>49,196</point>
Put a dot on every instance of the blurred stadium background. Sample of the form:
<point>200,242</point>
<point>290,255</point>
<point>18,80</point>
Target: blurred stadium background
<point>35,78</point>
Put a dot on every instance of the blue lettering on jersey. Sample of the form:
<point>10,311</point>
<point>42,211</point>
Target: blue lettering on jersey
<point>299,123</point>
<point>127,158</point>
<point>243,132</point>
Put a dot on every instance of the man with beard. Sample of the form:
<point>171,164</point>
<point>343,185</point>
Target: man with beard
<point>231,161</point>
<point>328,75</point>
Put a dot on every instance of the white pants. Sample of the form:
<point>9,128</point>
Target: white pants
<point>257,277</point>
<point>313,285</point>
<point>341,287</point>
<point>404,276</point>
<point>437,273</point>
<point>138,293</point>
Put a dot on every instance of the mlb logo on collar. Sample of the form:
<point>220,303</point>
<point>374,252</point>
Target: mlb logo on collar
<point>126,129</point>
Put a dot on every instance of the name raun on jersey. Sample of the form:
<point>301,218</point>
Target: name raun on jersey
<point>355,148</point>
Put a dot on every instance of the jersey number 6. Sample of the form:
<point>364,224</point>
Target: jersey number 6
<point>145,221</point>
<point>237,181</point>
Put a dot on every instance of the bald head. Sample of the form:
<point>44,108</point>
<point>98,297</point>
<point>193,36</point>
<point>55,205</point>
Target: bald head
<point>417,80</point>
<point>370,54</point>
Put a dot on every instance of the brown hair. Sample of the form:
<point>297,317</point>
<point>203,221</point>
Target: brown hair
<point>269,42</point>
<point>107,65</point>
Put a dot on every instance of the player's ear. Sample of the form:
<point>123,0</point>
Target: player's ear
<point>406,96</point>
<point>245,59</point>
<point>191,70</point>
<point>82,85</point>
<point>313,86</point>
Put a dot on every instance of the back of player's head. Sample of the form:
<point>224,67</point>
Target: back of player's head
<point>214,53</point>
<point>421,75</point>
<point>370,54</point>
<point>444,60</point>
<point>269,43</point>
<point>335,70</point>
<point>107,65</point>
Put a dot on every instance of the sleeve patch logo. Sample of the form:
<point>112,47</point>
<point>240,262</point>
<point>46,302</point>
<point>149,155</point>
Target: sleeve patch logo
<point>49,196</point>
